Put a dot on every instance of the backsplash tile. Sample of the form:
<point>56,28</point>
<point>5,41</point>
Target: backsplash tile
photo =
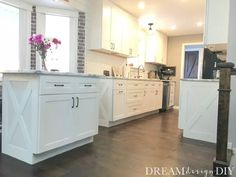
<point>81,43</point>
<point>33,31</point>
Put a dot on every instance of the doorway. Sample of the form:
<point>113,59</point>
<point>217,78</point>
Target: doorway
<point>191,64</point>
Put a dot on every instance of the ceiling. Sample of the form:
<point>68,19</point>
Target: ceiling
<point>172,17</point>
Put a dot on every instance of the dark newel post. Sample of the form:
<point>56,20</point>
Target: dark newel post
<point>221,160</point>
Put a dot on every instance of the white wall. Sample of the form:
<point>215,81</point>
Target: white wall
<point>232,58</point>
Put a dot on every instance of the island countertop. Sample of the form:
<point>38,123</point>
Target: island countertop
<point>200,80</point>
<point>73,74</point>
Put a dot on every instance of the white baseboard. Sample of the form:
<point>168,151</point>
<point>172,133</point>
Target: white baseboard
<point>234,151</point>
<point>230,145</point>
<point>176,107</point>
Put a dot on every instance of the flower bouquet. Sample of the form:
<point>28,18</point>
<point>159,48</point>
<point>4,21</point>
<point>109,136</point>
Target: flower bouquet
<point>43,45</point>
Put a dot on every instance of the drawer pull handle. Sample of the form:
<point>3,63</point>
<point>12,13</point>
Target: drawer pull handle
<point>120,91</point>
<point>120,84</point>
<point>135,95</point>
<point>59,85</point>
<point>135,109</point>
<point>88,85</point>
<point>77,104</point>
<point>73,102</point>
<point>135,84</point>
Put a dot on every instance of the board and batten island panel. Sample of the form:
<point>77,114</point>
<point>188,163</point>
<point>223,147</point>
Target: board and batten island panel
<point>45,113</point>
<point>199,108</point>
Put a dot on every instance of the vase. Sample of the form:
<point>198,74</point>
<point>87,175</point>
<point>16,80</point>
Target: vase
<point>44,67</point>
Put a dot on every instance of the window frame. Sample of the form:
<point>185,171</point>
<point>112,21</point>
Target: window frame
<point>73,15</point>
<point>24,32</point>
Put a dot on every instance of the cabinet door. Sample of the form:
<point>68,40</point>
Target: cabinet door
<point>106,25</point>
<point>158,98</point>
<point>56,120</point>
<point>116,29</point>
<point>147,101</point>
<point>172,94</point>
<point>85,116</point>
<point>217,22</point>
<point>119,104</point>
<point>151,47</point>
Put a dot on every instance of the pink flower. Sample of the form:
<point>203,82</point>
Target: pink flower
<point>56,41</point>
<point>38,39</point>
<point>47,46</point>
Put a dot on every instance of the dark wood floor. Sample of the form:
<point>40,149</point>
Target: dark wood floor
<point>122,151</point>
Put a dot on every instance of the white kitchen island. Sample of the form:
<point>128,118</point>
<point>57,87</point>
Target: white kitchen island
<point>198,109</point>
<point>47,113</point>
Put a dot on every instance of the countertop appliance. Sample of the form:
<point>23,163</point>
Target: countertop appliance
<point>166,72</point>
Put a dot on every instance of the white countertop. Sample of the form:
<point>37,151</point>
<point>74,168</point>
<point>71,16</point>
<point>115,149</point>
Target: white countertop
<point>200,80</point>
<point>39,72</point>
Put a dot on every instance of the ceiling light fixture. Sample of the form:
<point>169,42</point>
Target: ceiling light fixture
<point>173,27</point>
<point>150,26</point>
<point>199,24</point>
<point>141,5</point>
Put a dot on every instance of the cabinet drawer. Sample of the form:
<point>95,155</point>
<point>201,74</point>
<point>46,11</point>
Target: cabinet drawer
<point>134,109</point>
<point>119,84</point>
<point>86,85</point>
<point>131,85</point>
<point>134,96</point>
<point>55,85</point>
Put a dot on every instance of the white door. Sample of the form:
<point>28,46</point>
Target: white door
<point>119,104</point>
<point>56,120</point>
<point>85,116</point>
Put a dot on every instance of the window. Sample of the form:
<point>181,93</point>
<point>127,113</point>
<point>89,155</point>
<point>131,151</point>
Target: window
<point>9,35</point>
<point>58,27</point>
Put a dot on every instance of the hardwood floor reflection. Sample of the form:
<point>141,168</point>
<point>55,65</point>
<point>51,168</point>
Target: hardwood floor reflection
<point>122,151</point>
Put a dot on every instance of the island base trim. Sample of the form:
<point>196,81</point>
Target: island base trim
<point>31,158</point>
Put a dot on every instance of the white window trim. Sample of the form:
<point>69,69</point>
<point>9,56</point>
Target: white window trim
<point>41,12</point>
<point>24,31</point>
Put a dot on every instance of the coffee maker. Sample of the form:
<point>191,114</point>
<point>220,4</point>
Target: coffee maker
<point>166,72</point>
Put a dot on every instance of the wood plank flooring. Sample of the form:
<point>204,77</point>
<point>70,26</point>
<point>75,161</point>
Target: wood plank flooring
<point>122,151</point>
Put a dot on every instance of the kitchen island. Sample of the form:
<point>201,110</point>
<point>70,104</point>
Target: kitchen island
<point>198,108</point>
<point>47,113</point>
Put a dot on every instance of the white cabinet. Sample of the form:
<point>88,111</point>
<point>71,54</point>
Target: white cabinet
<point>111,29</point>
<point>56,121</point>
<point>85,110</point>
<point>216,22</point>
<point>156,47</point>
<point>52,114</point>
<point>121,99</point>
<point>119,104</point>
<point>172,94</point>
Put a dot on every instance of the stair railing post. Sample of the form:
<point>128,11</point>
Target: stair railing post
<point>221,160</point>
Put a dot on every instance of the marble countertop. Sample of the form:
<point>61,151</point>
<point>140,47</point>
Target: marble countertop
<point>200,80</point>
<point>39,72</point>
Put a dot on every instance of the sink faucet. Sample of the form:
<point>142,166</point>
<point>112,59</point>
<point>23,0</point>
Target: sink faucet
<point>139,67</point>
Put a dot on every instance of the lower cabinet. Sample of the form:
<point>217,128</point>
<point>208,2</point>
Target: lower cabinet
<point>66,118</point>
<point>172,94</point>
<point>119,104</point>
<point>46,114</point>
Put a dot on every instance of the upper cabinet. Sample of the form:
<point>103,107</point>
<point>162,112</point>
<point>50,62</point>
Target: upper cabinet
<point>111,29</point>
<point>156,47</point>
<point>216,22</point>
